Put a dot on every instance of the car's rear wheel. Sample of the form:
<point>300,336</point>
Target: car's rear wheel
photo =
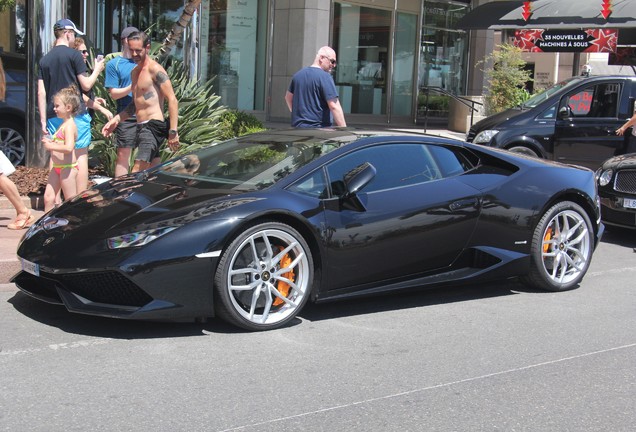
<point>264,277</point>
<point>524,151</point>
<point>562,247</point>
<point>12,142</point>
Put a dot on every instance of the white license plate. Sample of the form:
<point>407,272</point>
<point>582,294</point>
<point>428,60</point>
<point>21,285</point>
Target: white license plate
<point>629,203</point>
<point>30,267</point>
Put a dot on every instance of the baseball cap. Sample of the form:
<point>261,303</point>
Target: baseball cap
<point>128,31</point>
<point>67,24</point>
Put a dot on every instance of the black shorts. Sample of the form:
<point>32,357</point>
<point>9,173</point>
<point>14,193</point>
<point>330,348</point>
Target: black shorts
<point>126,133</point>
<point>150,136</point>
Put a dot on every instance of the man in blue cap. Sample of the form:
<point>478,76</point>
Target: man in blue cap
<point>59,68</point>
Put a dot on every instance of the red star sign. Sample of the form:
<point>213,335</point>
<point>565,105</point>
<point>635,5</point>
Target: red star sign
<point>605,41</point>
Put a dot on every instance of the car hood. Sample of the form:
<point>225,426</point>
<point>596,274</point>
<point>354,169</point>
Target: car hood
<point>496,120</point>
<point>625,161</point>
<point>126,203</point>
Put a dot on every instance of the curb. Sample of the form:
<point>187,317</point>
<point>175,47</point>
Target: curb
<point>35,202</point>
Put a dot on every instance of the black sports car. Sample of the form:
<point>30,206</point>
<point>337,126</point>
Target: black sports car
<point>617,188</point>
<point>252,228</point>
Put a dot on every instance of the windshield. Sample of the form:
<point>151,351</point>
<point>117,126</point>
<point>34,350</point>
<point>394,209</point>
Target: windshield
<point>538,98</point>
<point>254,162</point>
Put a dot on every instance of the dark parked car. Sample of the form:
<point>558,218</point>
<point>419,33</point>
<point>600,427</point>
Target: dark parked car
<point>617,188</point>
<point>252,228</point>
<point>574,121</point>
<point>13,108</point>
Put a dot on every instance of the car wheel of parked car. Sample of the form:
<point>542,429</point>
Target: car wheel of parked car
<point>12,142</point>
<point>264,277</point>
<point>523,150</point>
<point>562,247</point>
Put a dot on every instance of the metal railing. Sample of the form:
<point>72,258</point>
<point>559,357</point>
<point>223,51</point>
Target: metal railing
<point>468,102</point>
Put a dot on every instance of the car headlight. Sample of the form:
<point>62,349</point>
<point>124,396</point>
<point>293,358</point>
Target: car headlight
<point>485,136</point>
<point>605,177</point>
<point>138,238</point>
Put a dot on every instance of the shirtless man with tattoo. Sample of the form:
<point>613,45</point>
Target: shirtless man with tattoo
<point>151,87</point>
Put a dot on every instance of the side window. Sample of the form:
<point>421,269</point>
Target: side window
<point>550,113</point>
<point>313,185</point>
<point>397,165</point>
<point>581,103</point>
<point>600,100</point>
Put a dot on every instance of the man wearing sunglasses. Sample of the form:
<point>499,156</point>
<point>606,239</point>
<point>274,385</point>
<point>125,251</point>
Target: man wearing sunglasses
<point>312,97</point>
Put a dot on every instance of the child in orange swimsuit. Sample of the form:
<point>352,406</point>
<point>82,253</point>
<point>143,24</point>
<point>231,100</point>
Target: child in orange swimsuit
<point>62,147</point>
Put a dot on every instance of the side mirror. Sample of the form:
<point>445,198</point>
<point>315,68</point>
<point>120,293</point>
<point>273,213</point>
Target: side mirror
<point>359,177</point>
<point>565,112</point>
<point>352,183</point>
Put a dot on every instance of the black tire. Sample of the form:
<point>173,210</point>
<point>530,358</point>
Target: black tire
<point>264,278</point>
<point>12,141</point>
<point>524,151</point>
<point>562,247</point>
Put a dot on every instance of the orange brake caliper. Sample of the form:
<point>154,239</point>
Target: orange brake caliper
<point>546,239</point>
<point>283,287</point>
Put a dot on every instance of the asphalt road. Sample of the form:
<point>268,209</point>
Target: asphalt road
<point>481,358</point>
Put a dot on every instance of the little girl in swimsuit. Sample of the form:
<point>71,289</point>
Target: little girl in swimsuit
<point>63,161</point>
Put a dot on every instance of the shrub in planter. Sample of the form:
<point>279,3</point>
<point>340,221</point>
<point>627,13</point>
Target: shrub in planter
<point>199,117</point>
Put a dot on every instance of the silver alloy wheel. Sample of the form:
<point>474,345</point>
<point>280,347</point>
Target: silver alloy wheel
<point>268,276</point>
<point>524,151</point>
<point>12,143</point>
<point>566,249</point>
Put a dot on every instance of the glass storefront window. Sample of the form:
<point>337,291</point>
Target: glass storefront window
<point>13,20</point>
<point>361,40</point>
<point>443,59</point>
<point>156,17</point>
<point>233,49</point>
<point>403,62</point>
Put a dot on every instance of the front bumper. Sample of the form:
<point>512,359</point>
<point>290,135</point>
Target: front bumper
<point>614,213</point>
<point>175,291</point>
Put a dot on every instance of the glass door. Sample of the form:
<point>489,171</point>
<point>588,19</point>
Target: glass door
<point>361,41</point>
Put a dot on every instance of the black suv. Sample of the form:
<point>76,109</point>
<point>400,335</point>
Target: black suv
<point>13,108</point>
<point>574,121</point>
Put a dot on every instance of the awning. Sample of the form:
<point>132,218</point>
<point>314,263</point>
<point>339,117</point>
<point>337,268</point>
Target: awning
<point>551,14</point>
<point>570,14</point>
<point>484,16</point>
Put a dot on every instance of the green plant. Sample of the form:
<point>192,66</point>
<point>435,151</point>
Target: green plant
<point>506,79</point>
<point>435,102</point>
<point>199,116</point>
<point>235,123</point>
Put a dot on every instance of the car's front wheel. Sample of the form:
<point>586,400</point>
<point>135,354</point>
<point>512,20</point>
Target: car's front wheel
<point>523,150</point>
<point>264,277</point>
<point>562,247</point>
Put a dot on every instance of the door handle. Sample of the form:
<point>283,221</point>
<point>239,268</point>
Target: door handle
<point>465,203</point>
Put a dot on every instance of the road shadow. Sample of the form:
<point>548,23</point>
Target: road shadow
<point>87,325</point>
<point>619,236</point>
<point>113,328</point>
<point>414,298</point>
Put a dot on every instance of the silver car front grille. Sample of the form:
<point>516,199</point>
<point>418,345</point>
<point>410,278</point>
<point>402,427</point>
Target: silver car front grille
<point>625,181</point>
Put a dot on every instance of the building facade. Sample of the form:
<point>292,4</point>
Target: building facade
<point>388,50</point>
<point>399,61</point>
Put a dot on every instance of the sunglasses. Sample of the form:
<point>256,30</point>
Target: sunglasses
<point>85,52</point>
<point>332,61</point>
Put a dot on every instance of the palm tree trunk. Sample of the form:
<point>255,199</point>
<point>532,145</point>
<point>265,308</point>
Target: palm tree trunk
<point>178,27</point>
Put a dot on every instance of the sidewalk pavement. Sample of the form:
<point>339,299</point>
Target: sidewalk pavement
<point>9,240</point>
